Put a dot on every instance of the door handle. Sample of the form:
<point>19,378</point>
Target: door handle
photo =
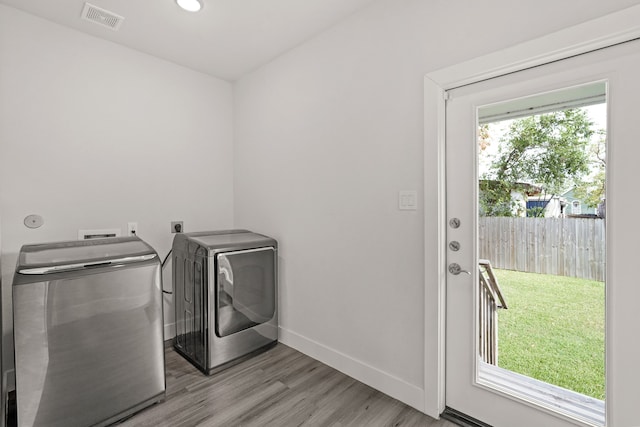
<point>455,269</point>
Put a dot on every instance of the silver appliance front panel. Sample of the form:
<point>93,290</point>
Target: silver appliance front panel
<point>89,346</point>
<point>225,348</point>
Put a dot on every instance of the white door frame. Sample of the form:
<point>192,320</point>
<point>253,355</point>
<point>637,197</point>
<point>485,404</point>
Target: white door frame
<point>599,33</point>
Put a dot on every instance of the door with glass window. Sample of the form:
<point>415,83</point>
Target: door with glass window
<point>542,294</point>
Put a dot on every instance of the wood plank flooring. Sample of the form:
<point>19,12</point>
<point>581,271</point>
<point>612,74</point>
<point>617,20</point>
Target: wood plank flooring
<point>279,388</point>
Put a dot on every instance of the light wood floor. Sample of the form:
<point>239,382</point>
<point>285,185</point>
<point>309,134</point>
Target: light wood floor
<point>279,388</point>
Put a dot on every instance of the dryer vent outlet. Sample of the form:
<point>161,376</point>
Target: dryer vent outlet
<point>176,227</point>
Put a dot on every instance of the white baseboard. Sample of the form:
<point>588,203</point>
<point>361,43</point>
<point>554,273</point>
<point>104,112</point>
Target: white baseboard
<point>386,383</point>
<point>169,331</point>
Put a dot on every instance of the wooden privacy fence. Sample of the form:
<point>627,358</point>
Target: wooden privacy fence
<point>572,247</point>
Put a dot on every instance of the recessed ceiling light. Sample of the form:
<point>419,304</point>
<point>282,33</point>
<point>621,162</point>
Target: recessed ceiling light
<point>190,5</point>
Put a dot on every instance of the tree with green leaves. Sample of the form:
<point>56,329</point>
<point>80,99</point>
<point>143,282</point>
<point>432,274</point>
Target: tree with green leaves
<point>592,189</point>
<point>547,150</point>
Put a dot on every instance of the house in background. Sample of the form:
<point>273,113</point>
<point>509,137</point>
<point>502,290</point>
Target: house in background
<point>577,206</point>
<point>554,206</point>
<point>518,199</point>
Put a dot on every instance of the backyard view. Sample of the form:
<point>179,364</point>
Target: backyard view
<point>541,227</point>
<point>553,330</point>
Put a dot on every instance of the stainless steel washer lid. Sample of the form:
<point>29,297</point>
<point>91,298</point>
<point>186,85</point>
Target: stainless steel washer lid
<point>78,254</point>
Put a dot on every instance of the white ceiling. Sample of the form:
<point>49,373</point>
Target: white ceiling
<point>226,39</point>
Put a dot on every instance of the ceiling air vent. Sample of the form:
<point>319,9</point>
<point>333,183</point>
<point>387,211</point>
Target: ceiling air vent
<point>100,16</point>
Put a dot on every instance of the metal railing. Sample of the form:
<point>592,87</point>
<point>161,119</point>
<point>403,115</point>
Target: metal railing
<point>490,299</point>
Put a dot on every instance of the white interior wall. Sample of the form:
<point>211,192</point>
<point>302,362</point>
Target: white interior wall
<point>94,135</point>
<point>326,136</point>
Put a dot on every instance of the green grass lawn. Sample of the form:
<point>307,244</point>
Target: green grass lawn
<point>553,330</point>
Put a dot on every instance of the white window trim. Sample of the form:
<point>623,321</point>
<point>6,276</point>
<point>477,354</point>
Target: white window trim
<point>576,207</point>
<point>599,33</point>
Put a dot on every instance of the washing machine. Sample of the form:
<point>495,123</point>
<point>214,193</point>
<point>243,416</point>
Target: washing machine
<point>225,294</point>
<point>88,330</point>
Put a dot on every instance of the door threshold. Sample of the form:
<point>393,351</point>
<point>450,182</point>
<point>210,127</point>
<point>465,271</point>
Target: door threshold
<point>587,410</point>
<point>463,420</point>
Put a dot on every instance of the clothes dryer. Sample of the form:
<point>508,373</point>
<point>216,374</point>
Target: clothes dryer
<point>225,294</point>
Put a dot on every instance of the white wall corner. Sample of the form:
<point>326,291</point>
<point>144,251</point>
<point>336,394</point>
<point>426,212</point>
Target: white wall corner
<point>386,383</point>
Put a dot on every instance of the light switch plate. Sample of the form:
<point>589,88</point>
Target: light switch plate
<point>408,200</point>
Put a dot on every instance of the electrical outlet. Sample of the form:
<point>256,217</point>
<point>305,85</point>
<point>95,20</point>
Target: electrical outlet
<point>176,227</point>
<point>132,229</point>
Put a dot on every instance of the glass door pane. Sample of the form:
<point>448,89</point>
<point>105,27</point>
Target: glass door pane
<point>541,244</point>
<point>245,289</point>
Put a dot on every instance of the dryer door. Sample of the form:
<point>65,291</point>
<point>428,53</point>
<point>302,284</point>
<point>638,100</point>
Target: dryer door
<point>245,288</point>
